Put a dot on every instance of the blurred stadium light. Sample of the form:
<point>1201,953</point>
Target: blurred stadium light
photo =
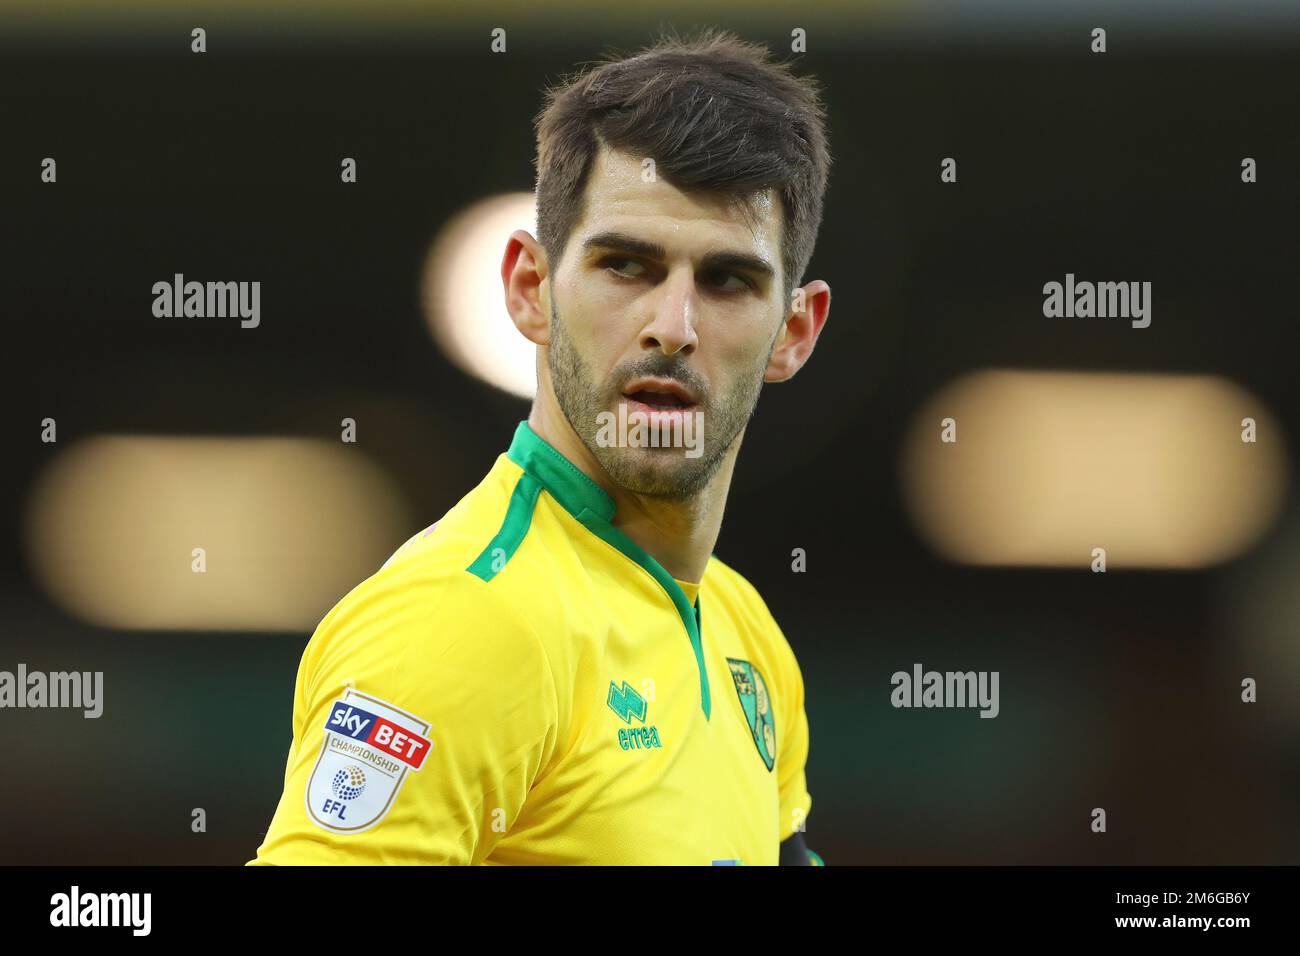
<point>286,525</point>
<point>1048,466</point>
<point>463,299</point>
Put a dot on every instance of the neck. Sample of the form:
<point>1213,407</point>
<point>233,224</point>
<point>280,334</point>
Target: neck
<point>679,534</point>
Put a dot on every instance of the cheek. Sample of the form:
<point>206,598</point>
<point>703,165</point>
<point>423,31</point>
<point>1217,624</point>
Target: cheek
<point>741,357</point>
<point>601,343</point>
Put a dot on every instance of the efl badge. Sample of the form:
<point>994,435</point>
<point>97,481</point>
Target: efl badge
<point>370,746</point>
<point>757,706</point>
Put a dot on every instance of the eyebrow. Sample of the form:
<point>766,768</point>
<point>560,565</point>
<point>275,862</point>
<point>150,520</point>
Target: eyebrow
<point>720,261</point>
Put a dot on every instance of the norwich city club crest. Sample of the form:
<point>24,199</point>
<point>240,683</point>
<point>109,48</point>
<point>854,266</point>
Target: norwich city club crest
<point>757,706</point>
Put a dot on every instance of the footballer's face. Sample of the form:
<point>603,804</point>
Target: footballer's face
<point>669,304</point>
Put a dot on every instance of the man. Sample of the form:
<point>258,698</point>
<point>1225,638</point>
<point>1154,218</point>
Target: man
<point>559,671</point>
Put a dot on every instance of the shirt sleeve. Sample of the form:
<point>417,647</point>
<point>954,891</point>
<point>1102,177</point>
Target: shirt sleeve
<point>423,714</point>
<point>792,751</point>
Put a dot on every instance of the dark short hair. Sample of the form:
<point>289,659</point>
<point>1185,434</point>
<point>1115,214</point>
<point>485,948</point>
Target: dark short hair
<point>714,113</point>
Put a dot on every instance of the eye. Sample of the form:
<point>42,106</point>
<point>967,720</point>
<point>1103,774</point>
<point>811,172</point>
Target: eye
<point>740,283</point>
<point>618,264</point>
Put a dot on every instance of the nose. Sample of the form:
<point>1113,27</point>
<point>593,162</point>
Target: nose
<point>671,328</point>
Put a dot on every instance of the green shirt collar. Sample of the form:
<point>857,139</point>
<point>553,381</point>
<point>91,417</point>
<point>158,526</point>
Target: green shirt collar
<point>563,479</point>
<point>594,508</point>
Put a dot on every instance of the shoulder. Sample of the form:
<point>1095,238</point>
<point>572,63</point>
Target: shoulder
<point>440,585</point>
<point>459,536</point>
<point>725,585</point>
<point>417,625</point>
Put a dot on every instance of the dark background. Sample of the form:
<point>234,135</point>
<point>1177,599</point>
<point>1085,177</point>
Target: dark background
<point>1118,691</point>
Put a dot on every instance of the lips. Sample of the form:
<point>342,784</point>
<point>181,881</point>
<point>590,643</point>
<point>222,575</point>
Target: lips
<point>660,393</point>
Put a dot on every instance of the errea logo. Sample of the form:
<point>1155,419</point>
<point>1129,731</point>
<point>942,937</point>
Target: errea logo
<point>627,704</point>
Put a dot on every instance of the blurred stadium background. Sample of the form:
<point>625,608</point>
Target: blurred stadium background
<point>1118,690</point>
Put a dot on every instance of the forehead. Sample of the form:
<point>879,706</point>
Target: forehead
<point>619,198</point>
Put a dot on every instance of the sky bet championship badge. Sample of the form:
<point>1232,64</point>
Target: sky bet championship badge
<point>370,746</point>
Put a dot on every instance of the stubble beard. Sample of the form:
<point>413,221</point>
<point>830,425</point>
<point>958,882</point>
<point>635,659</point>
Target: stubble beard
<point>664,473</point>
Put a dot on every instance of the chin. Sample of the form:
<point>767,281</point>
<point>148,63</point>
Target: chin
<point>661,472</point>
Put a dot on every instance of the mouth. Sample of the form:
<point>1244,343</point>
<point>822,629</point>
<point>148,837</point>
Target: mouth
<point>660,395</point>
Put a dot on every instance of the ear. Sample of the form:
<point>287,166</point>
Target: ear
<point>524,272</point>
<point>810,305</point>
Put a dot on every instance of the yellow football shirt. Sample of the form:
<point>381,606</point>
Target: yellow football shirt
<point>520,683</point>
